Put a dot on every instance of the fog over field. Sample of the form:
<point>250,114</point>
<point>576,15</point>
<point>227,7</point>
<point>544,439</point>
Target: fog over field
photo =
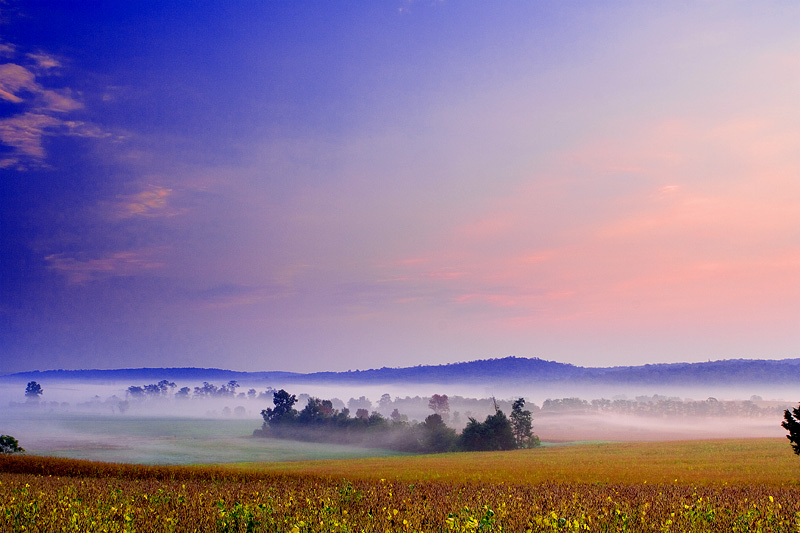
<point>90,420</point>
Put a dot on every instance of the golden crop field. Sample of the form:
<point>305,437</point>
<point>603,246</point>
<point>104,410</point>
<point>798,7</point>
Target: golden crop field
<point>738,485</point>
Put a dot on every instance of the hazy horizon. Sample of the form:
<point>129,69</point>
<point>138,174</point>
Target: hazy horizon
<point>308,186</point>
<point>167,430</point>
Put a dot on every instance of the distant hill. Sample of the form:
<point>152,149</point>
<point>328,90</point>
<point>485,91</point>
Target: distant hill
<point>146,375</point>
<point>512,370</point>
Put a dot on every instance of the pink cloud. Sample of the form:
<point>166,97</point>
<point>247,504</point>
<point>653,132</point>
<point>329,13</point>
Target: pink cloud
<point>126,263</point>
<point>444,274</point>
<point>58,102</point>
<point>44,61</point>
<point>493,299</point>
<point>152,202</point>
<point>14,78</point>
<point>24,133</point>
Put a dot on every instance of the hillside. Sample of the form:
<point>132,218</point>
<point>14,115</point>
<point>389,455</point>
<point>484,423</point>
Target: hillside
<point>506,370</point>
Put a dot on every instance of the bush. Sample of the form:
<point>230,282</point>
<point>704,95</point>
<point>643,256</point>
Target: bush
<point>9,444</point>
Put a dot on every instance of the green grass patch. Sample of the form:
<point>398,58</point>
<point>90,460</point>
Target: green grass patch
<point>165,440</point>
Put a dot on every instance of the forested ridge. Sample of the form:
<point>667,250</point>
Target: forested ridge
<point>502,370</point>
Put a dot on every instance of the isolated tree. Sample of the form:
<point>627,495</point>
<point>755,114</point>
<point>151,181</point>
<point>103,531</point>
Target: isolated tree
<point>9,445</point>
<point>440,404</point>
<point>33,391</point>
<point>283,411</point>
<point>521,425</point>
<point>791,423</point>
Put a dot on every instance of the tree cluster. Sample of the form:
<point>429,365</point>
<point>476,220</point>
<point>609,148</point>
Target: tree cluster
<point>164,389</point>
<point>153,390</point>
<point>498,432</point>
<point>320,421</point>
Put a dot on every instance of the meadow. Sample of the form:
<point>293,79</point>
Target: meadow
<point>722,485</point>
<point>161,440</point>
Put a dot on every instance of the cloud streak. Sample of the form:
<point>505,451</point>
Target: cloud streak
<point>38,112</point>
<point>151,202</point>
<point>80,271</point>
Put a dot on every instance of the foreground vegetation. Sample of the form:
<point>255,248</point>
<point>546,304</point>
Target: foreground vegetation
<point>630,487</point>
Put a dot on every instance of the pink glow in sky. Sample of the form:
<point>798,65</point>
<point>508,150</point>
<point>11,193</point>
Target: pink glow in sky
<point>305,186</point>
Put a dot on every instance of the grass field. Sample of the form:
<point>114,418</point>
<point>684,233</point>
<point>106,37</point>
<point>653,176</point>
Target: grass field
<point>714,486</point>
<point>745,461</point>
<point>162,440</point>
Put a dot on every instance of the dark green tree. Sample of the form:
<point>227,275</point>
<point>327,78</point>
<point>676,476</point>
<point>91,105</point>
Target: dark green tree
<point>495,433</point>
<point>791,423</point>
<point>436,436</point>
<point>473,436</point>
<point>283,411</point>
<point>33,391</point>
<point>502,435</point>
<point>521,425</point>
<point>316,411</point>
<point>9,445</point>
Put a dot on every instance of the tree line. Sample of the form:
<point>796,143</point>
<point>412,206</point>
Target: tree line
<point>662,406</point>
<point>320,421</point>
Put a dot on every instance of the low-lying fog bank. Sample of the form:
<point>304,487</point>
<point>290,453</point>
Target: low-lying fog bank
<point>612,427</point>
<point>149,440</point>
<point>203,422</point>
<point>91,396</point>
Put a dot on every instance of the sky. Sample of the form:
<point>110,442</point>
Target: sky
<point>307,186</point>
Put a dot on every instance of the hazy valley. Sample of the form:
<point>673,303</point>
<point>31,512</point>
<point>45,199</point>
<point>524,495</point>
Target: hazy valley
<point>107,415</point>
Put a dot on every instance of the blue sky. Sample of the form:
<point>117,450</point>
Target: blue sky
<point>325,186</point>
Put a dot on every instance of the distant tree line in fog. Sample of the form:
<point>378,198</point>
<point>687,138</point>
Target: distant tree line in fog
<point>409,408</point>
<point>662,406</point>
